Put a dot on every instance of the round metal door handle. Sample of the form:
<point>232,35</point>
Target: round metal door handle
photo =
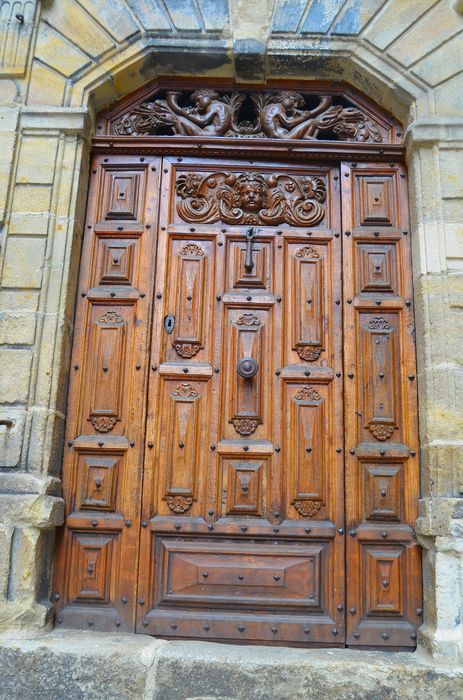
<point>247,367</point>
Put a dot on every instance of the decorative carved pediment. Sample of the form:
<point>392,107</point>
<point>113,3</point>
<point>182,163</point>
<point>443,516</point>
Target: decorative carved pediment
<point>251,198</point>
<point>279,115</point>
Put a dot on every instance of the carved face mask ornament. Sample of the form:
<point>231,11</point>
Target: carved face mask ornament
<point>251,198</point>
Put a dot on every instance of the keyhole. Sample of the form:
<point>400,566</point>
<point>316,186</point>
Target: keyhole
<point>97,482</point>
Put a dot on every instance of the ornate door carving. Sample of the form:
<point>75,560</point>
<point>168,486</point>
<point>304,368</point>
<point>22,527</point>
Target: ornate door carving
<point>243,498</point>
<point>221,382</point>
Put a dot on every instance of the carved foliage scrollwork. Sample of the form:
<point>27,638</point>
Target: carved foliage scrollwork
<point>251,198</point>
<point>282,115</point>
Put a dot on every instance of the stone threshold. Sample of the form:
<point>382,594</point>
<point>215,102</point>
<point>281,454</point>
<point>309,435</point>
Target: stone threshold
<point>72,665</point>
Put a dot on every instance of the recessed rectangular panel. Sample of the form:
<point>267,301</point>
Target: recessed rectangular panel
<point>107,357</point>
<point>378,200</point>
<point>98,476</point>
<point>189,298</point>
<point>217,573</point>
<point>91,559</point>
<point>307,294</point>
<point>243,489</point>
<point>307,458</point>
<point>383,571</point>
<point>246,337</point>
<point>382,491</point>
<point>122,194</point>
<point>380,372</point>
<point>377,268</point>
<point>116,260</point>
<point>259,277</point>
<point>180,447</point>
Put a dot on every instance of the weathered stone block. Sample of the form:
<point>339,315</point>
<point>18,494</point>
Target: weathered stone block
<point>24,259</point>
<point>6,534</point>
<point>58,53</point>
<point>46,86</point>
<point>31,510</point>
<point>11,437</point>
<point>73,22</point>
<point>37,159</point>
<point>15,375</point>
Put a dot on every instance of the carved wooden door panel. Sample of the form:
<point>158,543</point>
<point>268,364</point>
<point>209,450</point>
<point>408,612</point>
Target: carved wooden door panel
<point>242,518</point>
<point>96,561</point>
<point>382,474</point>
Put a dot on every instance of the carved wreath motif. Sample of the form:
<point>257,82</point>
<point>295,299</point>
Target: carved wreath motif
<point>245,426</point>
<point>282,115</point>
<point>179,504</point>
<point>307,507</point>
<point>307,393</point>
<point>251,198</point>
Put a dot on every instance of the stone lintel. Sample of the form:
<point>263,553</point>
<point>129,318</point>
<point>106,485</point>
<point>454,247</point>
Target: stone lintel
<point>80,665</point>
<point>68,120</point>
<point>249,56</point>
<point>426,132</point>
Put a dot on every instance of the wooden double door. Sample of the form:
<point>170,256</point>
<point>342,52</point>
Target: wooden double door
<point>240,460</point>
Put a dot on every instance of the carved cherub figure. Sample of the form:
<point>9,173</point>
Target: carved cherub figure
<point>250,192</point>
<point>210,116</point>
<point>282,117</point>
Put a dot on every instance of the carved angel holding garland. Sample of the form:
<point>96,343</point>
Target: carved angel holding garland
<point>251,198</point>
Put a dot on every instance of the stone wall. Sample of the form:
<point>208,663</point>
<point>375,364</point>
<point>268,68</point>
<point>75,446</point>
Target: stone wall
<point>61,62</point>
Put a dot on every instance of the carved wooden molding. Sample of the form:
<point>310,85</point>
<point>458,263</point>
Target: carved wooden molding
<point>251,198</point>
<point>279,115</point>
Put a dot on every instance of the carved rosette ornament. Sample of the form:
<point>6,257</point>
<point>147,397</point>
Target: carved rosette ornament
<point>307,507</point>
<point>282,115</point>
<point>251,198</point>
<point>179,504</point>
<point>104,424</point>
